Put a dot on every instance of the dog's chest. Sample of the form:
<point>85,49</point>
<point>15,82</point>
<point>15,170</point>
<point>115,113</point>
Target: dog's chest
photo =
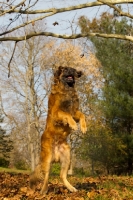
<point>69,102</point>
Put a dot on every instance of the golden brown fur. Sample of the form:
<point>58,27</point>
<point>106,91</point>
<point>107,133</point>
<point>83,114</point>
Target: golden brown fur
<point>63,114</point>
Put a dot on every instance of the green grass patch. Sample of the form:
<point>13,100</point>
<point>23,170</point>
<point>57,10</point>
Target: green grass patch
<point>14,170</point>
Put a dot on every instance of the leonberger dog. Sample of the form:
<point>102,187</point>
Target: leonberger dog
<point>63,115</point>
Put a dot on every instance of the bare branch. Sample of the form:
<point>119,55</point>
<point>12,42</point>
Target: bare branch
<point>80,6</point>
<point>75,36</point>
<point>1,106</point>
<point>121,13</point>
<point>11,58</point>
<point>26,23</point>
<point>52,11</point>
<point>12,8</point>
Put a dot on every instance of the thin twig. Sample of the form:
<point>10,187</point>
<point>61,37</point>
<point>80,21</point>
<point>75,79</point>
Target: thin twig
<point>1,106</point>
<point>11,59</point>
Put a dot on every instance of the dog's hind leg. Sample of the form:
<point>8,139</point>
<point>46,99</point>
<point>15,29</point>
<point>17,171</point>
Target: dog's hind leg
<point>42,170</point>
<point>44,189</point>
<point>41,173</point>
<point>65,162</point>
<point>46,159</point>
<point>35,176</point>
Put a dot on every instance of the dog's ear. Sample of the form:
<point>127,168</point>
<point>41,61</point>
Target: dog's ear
<point>79,74</point>
<point>58,72</point>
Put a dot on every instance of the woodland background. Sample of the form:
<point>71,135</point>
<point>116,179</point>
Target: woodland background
<point>105,91</point>
<point>36,37</point>
<point>29,55</point>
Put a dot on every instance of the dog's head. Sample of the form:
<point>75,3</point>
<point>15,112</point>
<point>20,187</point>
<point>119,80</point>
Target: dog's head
<point>67,75</point>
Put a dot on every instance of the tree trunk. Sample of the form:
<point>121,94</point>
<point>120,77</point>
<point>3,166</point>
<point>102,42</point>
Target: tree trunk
<point>130,166</point>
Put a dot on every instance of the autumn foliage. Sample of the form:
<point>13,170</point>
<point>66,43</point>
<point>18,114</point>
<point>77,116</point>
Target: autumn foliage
<point>71,55</point>
<point>16,186</point>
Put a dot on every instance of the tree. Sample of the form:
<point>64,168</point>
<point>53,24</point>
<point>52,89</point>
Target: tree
<point>14,10</point>
<point>29,85</point>
<point>117,95</point>
<point>6,145</point>
<point>17,16</point>
<point>26,93</point>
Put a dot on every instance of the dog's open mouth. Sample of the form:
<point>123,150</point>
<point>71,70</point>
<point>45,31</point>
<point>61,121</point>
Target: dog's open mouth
<point>70,78</point>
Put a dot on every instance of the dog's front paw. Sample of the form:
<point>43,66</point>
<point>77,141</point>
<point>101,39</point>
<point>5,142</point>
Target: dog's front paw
<point>83,129</point>
<point>64,122</point>
<point>73,125</point>
<point>83,126</point>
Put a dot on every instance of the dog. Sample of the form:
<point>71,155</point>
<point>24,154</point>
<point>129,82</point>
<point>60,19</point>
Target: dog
<point>63,115</point>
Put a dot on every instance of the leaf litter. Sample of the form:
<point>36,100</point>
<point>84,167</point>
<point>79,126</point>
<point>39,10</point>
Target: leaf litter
<point>16,187</point>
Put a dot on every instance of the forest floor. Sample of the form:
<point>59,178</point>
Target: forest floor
<point>15,186</point>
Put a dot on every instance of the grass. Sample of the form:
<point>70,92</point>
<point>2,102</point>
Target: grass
<point>115,188</point>
<point>14,170</point>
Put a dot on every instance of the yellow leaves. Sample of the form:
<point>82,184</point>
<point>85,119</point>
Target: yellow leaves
<point>115,194</point>
<point>104,187</point>
<point>23,189</point>
<point>27,191</point>
<point>91,194</point>
<point>71,55</point>
<point>75,198</point>
<point>67,54</point>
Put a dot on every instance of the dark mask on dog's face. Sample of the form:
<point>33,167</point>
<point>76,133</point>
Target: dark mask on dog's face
<point>67,75</point>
